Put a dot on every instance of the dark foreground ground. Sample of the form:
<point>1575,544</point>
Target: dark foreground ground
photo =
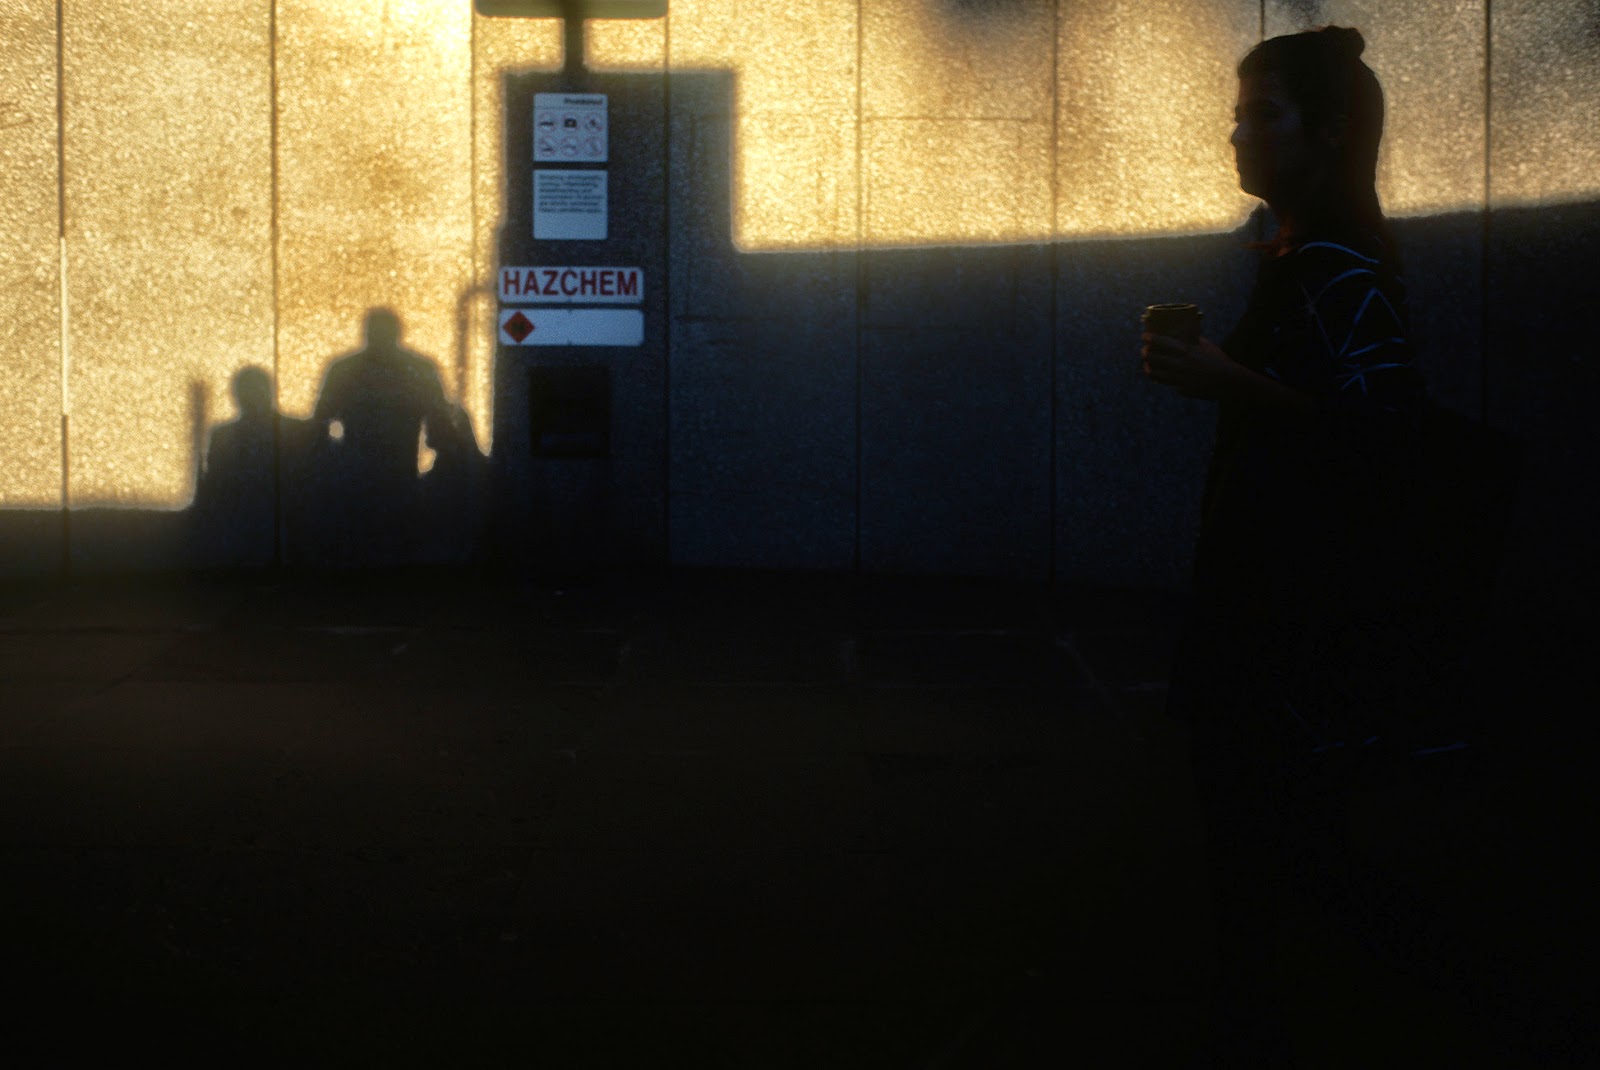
<point>715,820</point>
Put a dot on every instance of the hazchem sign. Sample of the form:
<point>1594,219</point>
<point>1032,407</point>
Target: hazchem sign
<point>571,285</point>
<point>571,327</point>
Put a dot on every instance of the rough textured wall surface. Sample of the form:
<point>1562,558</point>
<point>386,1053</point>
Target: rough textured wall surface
<point>30,286</point>
<point>896,254</point>
<point>168,205</point>
<point>763,370</point>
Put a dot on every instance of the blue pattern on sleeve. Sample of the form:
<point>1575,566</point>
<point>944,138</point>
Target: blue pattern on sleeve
<point>1360,358</point>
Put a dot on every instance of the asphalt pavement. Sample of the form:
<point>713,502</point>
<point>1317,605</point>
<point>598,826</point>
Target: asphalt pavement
<point>702,819</point>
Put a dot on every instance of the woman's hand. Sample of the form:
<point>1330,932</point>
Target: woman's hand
<point>1201,370</point>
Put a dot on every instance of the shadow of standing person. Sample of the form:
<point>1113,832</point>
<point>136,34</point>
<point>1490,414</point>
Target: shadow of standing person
<point>234,508</point>
<point>364,488</point>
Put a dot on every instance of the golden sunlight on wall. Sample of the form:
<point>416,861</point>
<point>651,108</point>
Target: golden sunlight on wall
<point>794,117</point>
<point>1432,72</point>
<point>245,178</point>
<point>1146,96</point>
<point>1545,144</point>
<point>30,265</point>
<point>168,206</point>
<point>625,45</point>
<point>955,119</point>
<point>375,182</point>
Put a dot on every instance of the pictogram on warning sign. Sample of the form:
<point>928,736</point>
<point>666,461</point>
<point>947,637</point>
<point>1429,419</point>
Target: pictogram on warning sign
<point>570,127</point>
<point>571,327</point>
<point>517,326</point>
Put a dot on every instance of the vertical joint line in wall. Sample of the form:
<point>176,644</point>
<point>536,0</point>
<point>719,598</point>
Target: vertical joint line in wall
<point>66,418</point>
<point>472,136</point>
<point>1055,274</point>
<point>475,272</point>
<point>861,275</point>
<point>1484,234</point>
<point>61,124</point>
<point>61,252</point>
<point>666,288</point>
<point>277,393</point>
<point>1259,226</point>
<point>66,353</point>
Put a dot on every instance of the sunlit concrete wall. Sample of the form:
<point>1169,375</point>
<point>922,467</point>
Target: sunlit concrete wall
<point>30,282</point>
<point>168,205</point>
<point>924,225</point>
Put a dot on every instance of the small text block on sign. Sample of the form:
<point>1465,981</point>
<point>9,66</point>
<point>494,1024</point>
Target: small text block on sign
<point>569,205</point>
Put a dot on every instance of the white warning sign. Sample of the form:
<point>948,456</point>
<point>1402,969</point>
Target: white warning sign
<point>571,327</point>
<point>570,128</point>
<point>571,285</point>
<point>569,205</point>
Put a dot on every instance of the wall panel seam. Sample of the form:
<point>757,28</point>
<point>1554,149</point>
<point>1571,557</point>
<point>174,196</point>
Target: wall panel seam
<point>1052,512</point>
<point>273,182</point>
<point>61,301</point>
<point>1488,208</point>
<point>666,290</point>
<point>861,271</point>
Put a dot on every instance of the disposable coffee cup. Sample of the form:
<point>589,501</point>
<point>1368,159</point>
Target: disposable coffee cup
<point>1175,321</point>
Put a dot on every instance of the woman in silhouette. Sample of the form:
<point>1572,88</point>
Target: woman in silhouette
<point>1289,660</point>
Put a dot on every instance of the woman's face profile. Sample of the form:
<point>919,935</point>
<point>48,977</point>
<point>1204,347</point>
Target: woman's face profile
<point>1276,157</point>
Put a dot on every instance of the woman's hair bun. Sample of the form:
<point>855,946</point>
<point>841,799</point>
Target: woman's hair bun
<point>1345,41</point>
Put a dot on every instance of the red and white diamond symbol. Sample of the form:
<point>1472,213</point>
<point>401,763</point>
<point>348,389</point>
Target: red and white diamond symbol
<point>518,327</point>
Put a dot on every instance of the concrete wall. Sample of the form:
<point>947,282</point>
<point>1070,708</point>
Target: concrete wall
<point>895,268</point>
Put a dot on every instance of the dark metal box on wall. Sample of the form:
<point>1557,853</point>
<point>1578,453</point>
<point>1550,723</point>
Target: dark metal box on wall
<point>569,412</point>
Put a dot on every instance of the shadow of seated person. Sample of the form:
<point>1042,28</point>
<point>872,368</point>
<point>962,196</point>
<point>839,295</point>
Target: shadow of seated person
<point>234,509</point>
<point>367,429</point>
